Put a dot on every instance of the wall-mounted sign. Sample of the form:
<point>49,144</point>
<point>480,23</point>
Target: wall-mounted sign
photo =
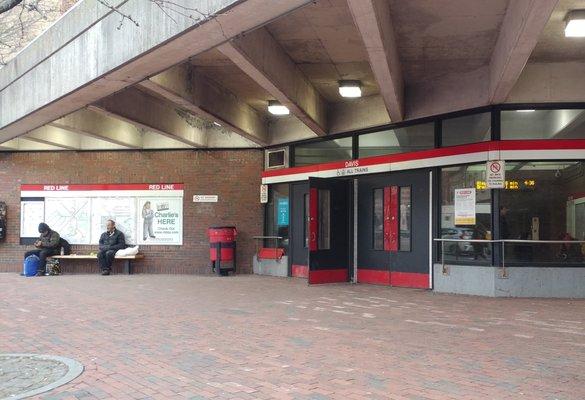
<point>352,168</point>
<point>263,194</point>
<point>205,198</point>
<point>146,213</point>
<point>495,173</point>
<point>282,212</point>
<point>465,206</point>
<point>527,184</point>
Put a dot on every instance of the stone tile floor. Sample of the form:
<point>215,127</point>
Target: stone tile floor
<point>247,337</point>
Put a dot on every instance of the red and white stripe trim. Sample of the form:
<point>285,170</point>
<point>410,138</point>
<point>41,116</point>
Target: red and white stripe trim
<point>464,154</point>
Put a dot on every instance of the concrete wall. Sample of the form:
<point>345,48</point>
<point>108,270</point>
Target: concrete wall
<point>233,175</point>
<point>519,281</point>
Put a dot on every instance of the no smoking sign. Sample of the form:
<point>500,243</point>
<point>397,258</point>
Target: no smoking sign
<point>495,174</point>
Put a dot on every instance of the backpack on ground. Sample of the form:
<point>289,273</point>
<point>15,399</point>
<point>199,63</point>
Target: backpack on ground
<point>64,244</point>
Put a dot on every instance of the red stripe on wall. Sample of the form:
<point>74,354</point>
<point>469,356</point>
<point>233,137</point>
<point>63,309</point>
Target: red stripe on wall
<point>373,276</point>
<point>300,271</point>
<point>76,187</point>
<point>328,276</point>
<point>409,279</point>
<point>558,144</point>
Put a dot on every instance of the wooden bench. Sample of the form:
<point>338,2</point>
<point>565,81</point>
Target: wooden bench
<point>127,259</point>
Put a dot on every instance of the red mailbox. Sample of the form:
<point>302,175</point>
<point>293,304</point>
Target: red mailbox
<point>222,247</point>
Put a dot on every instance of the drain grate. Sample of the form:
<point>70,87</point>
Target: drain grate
<point>25,375</point>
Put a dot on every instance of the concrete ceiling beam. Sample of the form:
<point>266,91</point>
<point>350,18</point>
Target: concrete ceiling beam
<point>89,123</point>
<point>55,137</point>
<point>186,88</point>
<point>374,22</point>
<point>262,58</point>
<point>136,107</point>
<point>523,23</point>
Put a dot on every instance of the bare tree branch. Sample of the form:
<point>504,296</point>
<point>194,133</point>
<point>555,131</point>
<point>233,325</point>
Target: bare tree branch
<point>6,5</point>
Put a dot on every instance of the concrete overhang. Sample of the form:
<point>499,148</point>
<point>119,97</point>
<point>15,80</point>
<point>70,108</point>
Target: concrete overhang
<point>84,57</point>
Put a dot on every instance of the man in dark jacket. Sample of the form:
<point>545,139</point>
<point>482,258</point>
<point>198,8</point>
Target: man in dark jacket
<point>47,245</point>
<point>111,241</point>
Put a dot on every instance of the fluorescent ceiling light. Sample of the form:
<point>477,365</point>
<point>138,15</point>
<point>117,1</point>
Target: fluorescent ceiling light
<point>525,110</point>
<point>575,26</point>
<point>275,108</point>
<point>350,89</point>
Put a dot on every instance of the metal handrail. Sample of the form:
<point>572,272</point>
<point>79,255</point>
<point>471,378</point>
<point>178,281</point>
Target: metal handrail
<point>503,243</point>
<point>267,237</point>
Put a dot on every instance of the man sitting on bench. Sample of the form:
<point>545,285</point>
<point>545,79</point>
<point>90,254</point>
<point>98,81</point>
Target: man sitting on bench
<point>47,245</point>
<point>111,241</point>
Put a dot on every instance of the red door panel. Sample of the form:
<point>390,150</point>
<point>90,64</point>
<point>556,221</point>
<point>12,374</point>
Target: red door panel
<point>313,219</point>
<point>391,218</point>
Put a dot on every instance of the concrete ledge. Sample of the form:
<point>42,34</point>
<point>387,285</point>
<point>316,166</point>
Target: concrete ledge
<point>271,267</point>
<point>519,281</point>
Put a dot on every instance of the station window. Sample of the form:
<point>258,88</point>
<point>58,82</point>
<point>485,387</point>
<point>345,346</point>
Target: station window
<point>543,200</point>
<point>324,240</point>
<point>378,222</point>
<point>399,140</point>
<point>543,124</point>
<point>469,129</point>
<point>277,214</point>
<point>405,218</point>
<point>472,218</point>
<point>324,151</point>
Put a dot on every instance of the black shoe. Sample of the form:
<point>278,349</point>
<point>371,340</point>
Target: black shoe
<point>105,272</point>
<point>144,238</point>
<point>153,237</point>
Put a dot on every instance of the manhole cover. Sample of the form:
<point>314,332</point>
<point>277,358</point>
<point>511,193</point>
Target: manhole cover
<point>25,375</point>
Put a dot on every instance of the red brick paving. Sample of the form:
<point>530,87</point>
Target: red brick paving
<point>246,337</point>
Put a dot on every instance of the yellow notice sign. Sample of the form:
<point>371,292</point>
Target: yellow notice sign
<point>465,206</point>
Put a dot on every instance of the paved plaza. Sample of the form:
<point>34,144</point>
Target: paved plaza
<point>248,337</point>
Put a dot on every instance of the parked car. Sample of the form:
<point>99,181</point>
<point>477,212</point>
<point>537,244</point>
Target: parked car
<point>459,248</point>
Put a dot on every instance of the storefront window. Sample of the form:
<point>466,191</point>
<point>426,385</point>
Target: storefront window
<point>544,200</point>
<point>322,152</point>
<point>399,140</point>
<point>469,129</point>
<point>277,215</point>
<point>467,218</point>
<point>543,124</point>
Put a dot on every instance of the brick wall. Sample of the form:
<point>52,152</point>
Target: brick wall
<point>233,175</point>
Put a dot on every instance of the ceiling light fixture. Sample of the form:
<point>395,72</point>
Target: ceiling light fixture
<point>275,108</point>
<point>525,110</point>
<point>216,123</point>
<point>575,24</point>
<point>350,89</point>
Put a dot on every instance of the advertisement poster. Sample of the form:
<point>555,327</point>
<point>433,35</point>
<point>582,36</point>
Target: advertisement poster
<point>282,210</point>
<point>465,206</point>
<point>160,220</point>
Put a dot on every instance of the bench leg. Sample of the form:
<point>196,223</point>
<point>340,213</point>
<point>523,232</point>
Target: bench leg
<point>127,267</point>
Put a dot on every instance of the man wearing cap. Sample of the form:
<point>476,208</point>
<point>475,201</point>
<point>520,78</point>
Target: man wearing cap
<point>47,245</point>
<point>111,241</point>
